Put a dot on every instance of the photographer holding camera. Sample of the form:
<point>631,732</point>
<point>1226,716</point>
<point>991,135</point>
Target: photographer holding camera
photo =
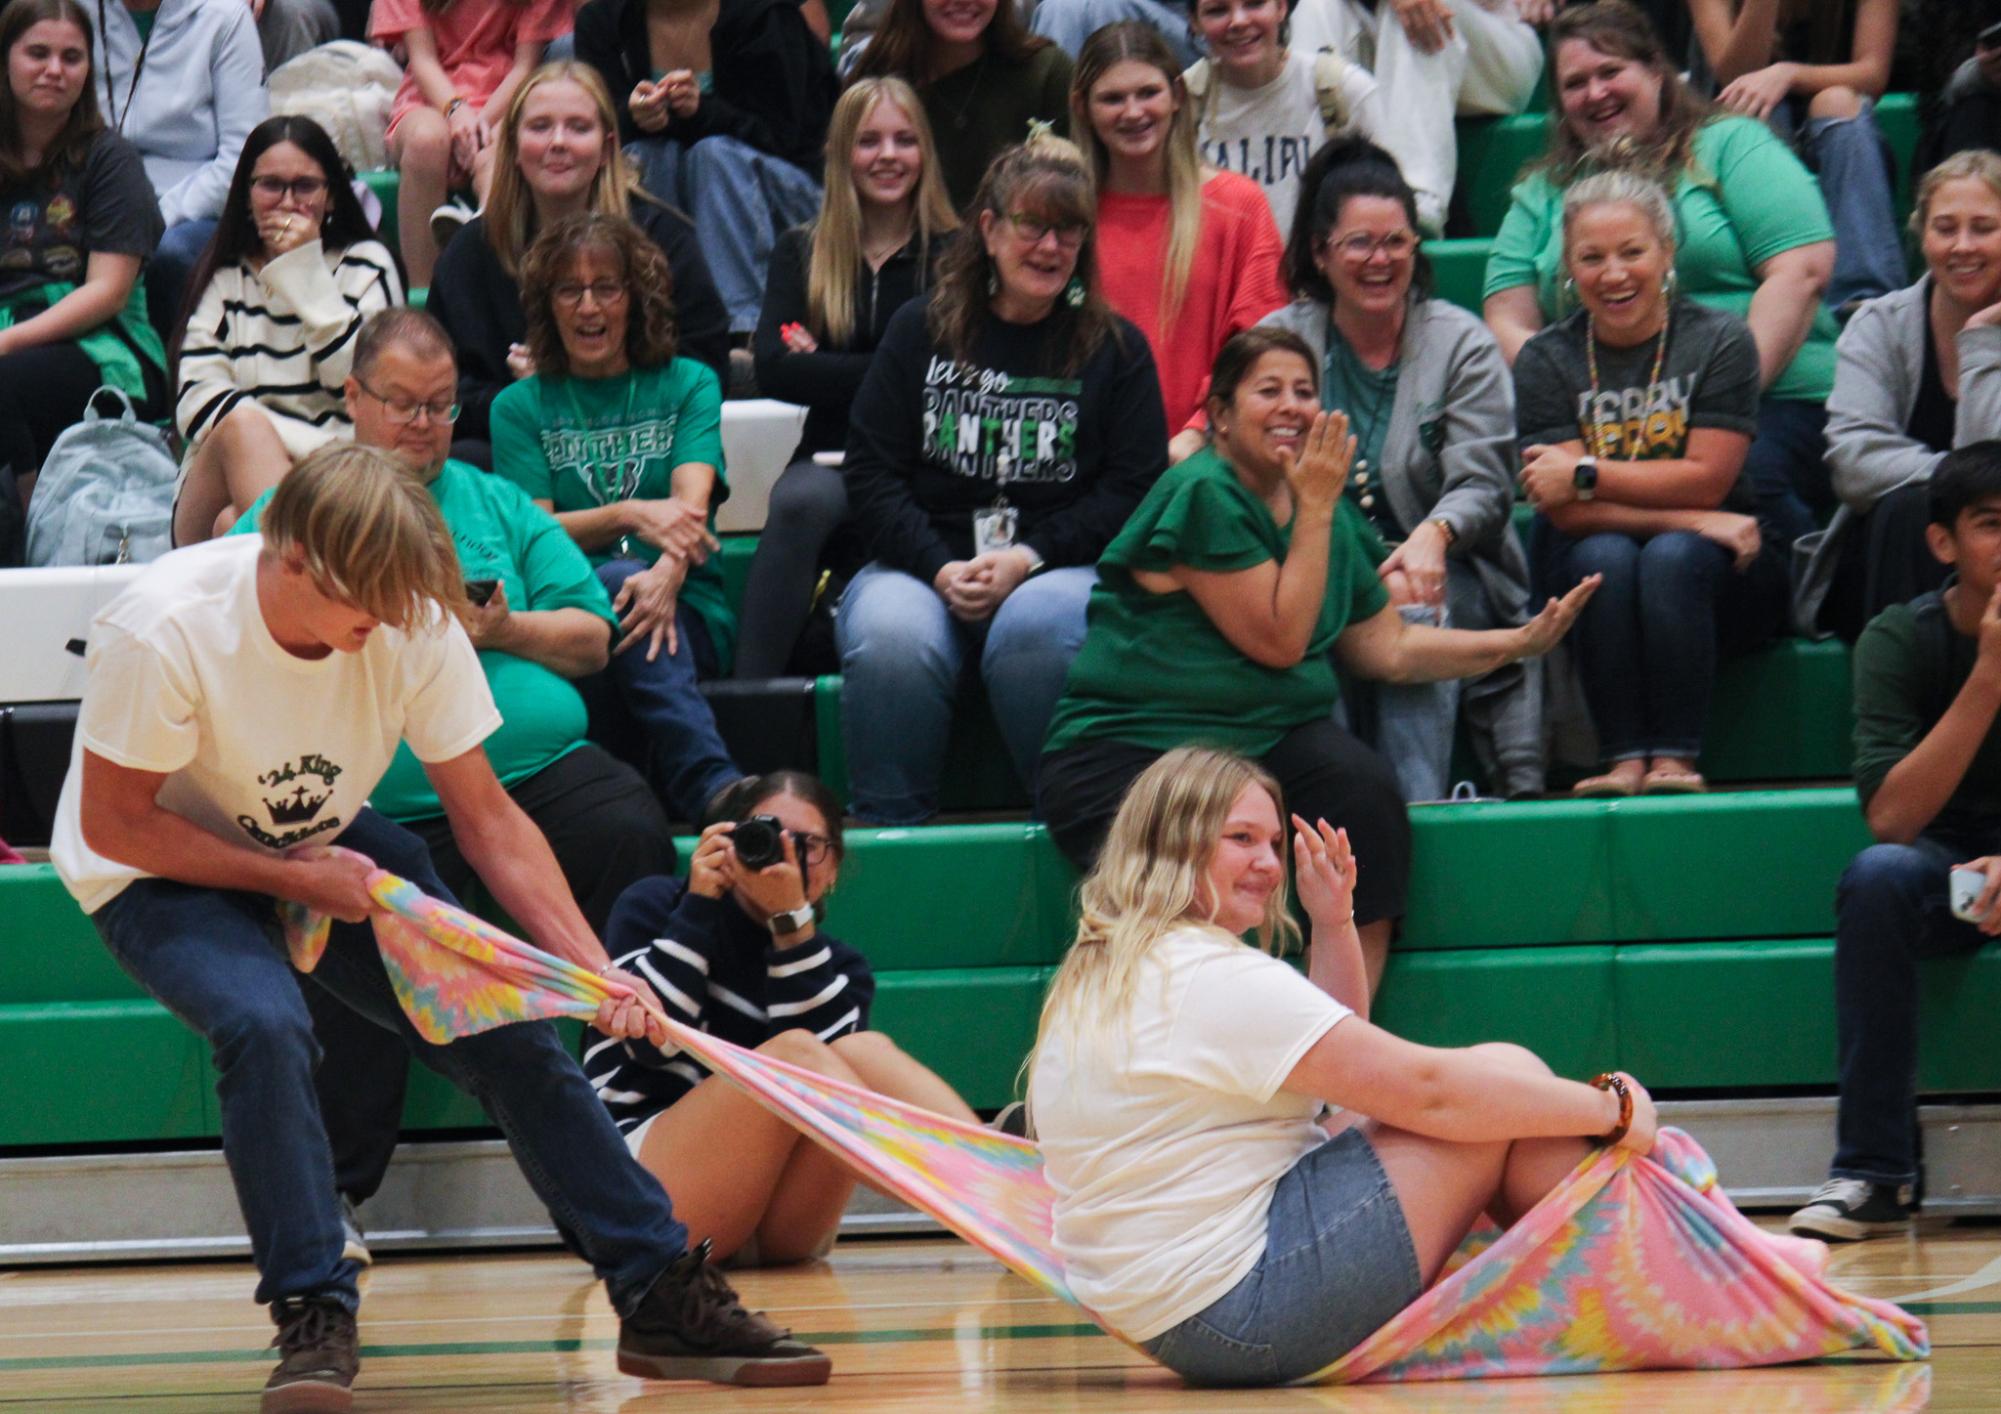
<point>736,950</point>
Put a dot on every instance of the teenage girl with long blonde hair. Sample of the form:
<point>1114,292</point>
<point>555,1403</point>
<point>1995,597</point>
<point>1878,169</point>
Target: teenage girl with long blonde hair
<point>834,284</point>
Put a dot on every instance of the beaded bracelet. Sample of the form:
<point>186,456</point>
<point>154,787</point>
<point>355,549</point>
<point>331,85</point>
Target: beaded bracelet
<point>1617,1085</point>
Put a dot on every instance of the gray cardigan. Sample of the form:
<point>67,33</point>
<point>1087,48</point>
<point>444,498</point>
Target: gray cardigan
<point>1450,449</point>
<point>1879,363</point>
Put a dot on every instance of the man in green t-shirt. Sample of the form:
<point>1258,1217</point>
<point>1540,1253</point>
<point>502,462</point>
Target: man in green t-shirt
<point>546,620</point>
<point>1928,770</point>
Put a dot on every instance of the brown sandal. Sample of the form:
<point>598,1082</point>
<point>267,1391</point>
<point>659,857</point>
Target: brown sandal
<point>1665,782</point>
<point>1609,786</point>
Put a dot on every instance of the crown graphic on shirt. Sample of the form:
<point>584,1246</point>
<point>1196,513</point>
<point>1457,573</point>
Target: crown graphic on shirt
<point>297,807</point>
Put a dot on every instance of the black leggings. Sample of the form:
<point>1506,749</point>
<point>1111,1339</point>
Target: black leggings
<point>1325,772</point>
<point>42,391</point>
<point>807,505</point>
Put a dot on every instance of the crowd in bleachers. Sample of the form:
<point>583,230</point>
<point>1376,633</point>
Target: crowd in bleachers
<point>1126,390</point>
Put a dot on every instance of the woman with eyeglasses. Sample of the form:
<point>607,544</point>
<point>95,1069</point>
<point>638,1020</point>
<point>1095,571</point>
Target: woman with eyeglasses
<point>622,441</point>
<point>1008,426</point>
<point>82,220</point>
<point>1432,408</point>
<point>261,358</point>
<point>736,950</point>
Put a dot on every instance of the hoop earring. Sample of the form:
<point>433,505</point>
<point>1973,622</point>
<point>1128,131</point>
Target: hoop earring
<point>1567,291</point>
<point>1668,283</point>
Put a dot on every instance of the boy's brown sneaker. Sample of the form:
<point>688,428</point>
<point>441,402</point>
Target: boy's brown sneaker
<point>691,1326</point>
<point>319,1352</point>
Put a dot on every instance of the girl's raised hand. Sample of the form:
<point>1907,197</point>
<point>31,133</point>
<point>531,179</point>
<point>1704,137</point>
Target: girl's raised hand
<point>1324,864</point>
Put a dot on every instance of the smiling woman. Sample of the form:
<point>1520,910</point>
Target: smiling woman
<point>82,220</point>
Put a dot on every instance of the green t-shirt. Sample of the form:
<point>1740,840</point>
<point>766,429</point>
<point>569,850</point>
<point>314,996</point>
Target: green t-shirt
<point>1744,199</point>
<point>1369,397</point>
<point>1910,663</point>
<point>501,534</point>
<point>1154,671</point>
<point>585,442</point>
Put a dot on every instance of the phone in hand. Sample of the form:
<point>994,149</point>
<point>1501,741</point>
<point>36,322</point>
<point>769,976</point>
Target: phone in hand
<point>480,591</point>
<point>1965,890</point>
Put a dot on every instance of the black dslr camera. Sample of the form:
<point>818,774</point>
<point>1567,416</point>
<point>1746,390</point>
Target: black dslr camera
<point>759,841</point>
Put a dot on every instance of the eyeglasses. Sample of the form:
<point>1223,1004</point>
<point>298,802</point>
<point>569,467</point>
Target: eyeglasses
<point>403,412</point>
<point>813,849</point>
<point>1069,234</point>
<point>605,292</point>
<point>301,188</point>
<point>1361,248</point>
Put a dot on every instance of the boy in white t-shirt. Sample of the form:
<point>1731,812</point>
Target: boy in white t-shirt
<point>244,697</point>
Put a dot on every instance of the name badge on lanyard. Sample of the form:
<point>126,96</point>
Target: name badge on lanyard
<point>993,528</point>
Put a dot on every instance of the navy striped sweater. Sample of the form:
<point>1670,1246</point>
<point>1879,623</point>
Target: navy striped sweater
<point>717,970</point>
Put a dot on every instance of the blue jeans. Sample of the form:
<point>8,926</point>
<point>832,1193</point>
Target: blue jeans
<point>1649,640</point>
<point>1070,22</point>
<point>1414,724</point>
<point>1891,910</point>
<point>902,655</point>
<point>740,199</point>
<point>687,758</point>
<point>1787,466</point>
<point>215,959</point>
<point>1338,1263</point>
<point>1857,177</point>
<point>168,269</point>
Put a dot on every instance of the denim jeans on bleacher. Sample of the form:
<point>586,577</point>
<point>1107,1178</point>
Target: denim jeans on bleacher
<point>902,655</point>
<point>216,960</point>
<point>1892,909</point>
<point>1857,177</point>
<point>1414,724</point>
<point>740,200</point>
<point>1649,640</point>
<point>686,757</point>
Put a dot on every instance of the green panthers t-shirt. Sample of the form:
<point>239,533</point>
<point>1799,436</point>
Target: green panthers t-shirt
<point>580,443</point>
<point>1154,670</point>
<point>1744,199</point>
<point>501,534</point>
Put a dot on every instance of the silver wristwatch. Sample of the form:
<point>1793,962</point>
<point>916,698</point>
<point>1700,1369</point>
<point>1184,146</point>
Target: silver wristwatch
<point>784,925</point>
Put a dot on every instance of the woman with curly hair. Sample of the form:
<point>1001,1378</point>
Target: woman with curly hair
<point>622,441</point>
<point>1006,429</point>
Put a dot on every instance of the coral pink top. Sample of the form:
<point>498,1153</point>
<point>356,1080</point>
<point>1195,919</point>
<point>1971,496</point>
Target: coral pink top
<point>1232,284</point>
<point>475,41</point>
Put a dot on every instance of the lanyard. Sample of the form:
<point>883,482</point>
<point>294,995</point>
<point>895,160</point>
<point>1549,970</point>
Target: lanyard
<point>138,68</point>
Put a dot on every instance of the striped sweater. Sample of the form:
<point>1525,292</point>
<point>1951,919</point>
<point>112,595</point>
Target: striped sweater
<point>717,970</point>
<point>284,336</point>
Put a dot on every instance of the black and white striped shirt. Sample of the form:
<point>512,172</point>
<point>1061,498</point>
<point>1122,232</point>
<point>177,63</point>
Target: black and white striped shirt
<point>719,971</point>
<point>284,337</point>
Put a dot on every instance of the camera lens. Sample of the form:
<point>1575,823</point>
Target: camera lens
<point>759,841</point>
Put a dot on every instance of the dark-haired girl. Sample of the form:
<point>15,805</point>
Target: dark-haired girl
<point>982,77</point>
<point>621,439</point>
<point>1433,411</point>
<point>1221,611</point>
<point>262,360</point>
<point>737,951</point>
<point>1007,427</point>
<point>82,219</point>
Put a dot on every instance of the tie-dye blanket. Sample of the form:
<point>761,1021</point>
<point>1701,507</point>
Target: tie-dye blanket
<point>1631,1263</point>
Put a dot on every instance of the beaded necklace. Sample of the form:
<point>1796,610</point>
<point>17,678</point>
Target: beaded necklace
<point>1598,427</point>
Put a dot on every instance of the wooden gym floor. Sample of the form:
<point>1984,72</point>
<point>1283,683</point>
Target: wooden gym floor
<point>913,1324</point>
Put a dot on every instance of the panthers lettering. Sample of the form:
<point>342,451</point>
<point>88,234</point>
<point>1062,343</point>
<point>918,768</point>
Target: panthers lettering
<point>986,424</point>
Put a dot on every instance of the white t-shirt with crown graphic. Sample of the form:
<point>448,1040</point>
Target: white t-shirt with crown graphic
<point>258,746</point>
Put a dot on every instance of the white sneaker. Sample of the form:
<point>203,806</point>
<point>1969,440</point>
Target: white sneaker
<point>447,219</point>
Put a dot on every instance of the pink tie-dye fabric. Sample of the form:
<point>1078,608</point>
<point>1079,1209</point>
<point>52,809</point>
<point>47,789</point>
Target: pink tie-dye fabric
<point>1631,1263</point>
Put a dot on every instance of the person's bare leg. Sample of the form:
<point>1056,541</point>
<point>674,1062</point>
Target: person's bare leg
<point>240,459</point>
<point>1534,1166</point>
<point>813,1190</point>
<point>1443,1187</point>
<point>1376,949</point>
<point>422,152</point>
<point>887,1069</point>
<point>719,1154</point>
<point>482,177</point>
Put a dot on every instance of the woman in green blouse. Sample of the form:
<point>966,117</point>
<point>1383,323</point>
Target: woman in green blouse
<point>1221,610</point>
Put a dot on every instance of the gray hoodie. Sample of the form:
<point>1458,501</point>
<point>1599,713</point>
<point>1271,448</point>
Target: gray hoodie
<point>1450,448</point>
<point>1879,363</point>
<point>195,100</point>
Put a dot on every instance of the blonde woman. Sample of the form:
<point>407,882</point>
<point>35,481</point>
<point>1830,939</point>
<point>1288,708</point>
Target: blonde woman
<point>834,284</point>
<point>556,153</point>
<point>1177,1085</point>
<point>1186,249</point>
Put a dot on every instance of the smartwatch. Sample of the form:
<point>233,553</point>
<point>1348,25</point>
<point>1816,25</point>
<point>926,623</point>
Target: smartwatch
<point>1585,478</point>
<point>784,925</point>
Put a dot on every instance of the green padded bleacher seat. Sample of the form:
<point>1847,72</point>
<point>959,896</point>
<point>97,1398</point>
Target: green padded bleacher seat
<point>384,182</point>
<point>1459,270</point>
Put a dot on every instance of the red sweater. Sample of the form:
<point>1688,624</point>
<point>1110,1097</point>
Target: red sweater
<point>1232,284</point>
